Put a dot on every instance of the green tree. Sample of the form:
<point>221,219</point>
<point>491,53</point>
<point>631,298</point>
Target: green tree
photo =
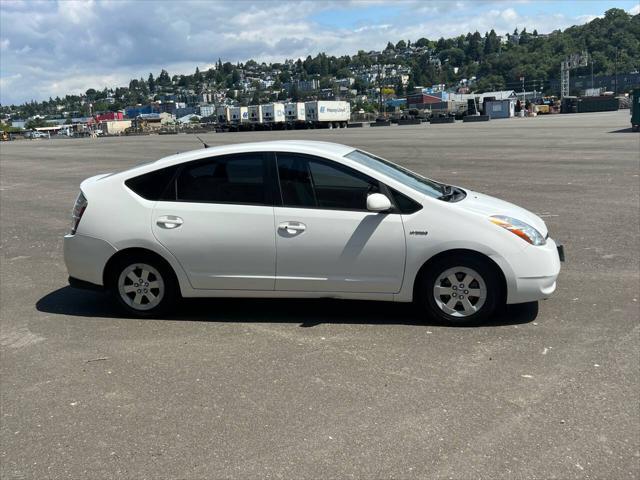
<point>37,123</point>
<point>151,83</point>
<point>164,79</point>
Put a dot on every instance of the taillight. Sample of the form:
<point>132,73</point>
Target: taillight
<point>78,211</point>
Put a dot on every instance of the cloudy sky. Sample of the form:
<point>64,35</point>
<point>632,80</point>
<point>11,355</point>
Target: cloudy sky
<point>50,48</point>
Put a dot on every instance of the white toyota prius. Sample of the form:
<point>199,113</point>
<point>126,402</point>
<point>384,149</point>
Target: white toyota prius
<point>304,219</point>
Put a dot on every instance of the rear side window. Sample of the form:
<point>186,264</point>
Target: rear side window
<point>237,179</point>
<point>154,185</point>
<point>310,182</point>
<point>295,181</point>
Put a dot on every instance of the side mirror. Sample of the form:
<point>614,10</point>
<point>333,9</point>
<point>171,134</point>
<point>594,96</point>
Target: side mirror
<point>377,202</point>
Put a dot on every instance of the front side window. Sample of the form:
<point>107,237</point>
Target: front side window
<point>316,183</point>
<point>226,179</point>
<point>401,174</point>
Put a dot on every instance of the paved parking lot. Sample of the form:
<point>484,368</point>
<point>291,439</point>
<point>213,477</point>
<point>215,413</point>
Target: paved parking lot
<point>320,389</point>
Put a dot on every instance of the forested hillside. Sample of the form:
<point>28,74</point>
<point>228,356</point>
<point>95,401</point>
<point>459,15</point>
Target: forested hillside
<point>612,42</point>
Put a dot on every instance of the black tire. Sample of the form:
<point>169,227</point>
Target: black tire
<point>169,293</point>
<point>463,264</point>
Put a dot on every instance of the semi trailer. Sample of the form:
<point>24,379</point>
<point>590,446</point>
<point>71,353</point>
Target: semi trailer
<point>327,113</point>
<point>295,115</point>
<point>255,114</point>
<point>273,114</point>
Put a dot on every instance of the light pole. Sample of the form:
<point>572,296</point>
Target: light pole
<point>379,89</point>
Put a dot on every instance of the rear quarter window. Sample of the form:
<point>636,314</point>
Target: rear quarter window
<point>156,185</point>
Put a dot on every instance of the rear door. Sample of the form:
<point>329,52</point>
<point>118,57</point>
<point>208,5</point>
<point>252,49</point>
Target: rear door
<point>218,222</point>
<point>326,239</point>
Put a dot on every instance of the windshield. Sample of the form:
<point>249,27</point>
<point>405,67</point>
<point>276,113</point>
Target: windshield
<point>401,174</point>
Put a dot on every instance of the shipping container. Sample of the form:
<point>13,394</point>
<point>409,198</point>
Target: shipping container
<point>598,104</point>
<point>499,108</point>
<point>569,105</point>
<point>426,98</point>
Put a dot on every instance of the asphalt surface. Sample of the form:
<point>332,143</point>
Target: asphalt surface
<point>333,389</point>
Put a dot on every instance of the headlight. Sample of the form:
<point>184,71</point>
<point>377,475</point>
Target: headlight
<point>521,229</point>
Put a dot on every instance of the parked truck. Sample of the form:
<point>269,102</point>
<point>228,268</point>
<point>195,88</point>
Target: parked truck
<point>327,114</point>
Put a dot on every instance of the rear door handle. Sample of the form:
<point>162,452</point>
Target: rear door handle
<point>292,228</point>
<point>169,222</point>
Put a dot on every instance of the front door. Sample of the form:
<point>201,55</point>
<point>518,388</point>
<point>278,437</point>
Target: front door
<point>221,225</point>
<point>326,239</point>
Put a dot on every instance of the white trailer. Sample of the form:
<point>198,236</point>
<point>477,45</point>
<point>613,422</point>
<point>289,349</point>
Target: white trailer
<point>255,114</point>
<point>294,112</point>
<point>223,114</point>
<point>327,113</point>
<point>239,115</point>
<point>273,113</point>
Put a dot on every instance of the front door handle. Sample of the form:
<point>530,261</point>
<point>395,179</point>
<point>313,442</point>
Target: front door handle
<point>169,222</point>
<point>292,228</point>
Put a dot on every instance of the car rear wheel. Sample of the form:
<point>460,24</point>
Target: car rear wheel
<point>143,287</point>
<point>460,290</point>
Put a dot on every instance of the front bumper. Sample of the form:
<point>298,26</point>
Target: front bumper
<point>536,273</point>
<point>86,257</point>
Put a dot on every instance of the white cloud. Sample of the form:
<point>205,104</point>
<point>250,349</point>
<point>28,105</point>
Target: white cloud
<point>509,14</point>
<point>55,48</point>
<point>635,10</point>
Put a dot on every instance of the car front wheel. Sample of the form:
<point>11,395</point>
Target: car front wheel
<point>460,290</point>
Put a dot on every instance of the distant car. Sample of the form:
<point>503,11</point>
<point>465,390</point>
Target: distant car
<point>304,219</point>
<point>38,134</point>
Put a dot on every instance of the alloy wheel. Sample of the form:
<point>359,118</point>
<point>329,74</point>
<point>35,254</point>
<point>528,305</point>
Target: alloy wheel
<point>460,292</point>
<point>141,286</point>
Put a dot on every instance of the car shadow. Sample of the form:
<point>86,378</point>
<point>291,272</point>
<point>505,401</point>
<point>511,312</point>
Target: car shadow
<point>623,130</point>
<point>306,312</point>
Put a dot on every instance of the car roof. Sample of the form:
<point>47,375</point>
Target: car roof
<point>301,146</point>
